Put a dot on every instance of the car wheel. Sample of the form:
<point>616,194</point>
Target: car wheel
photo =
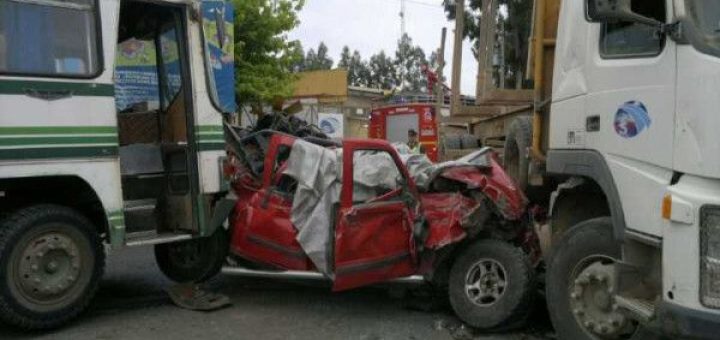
<point>51,261</point>
<point>492,285</point>
<point>195,260</point>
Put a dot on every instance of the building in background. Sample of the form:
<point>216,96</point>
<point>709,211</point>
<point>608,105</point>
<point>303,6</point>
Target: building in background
<point>328,102</point>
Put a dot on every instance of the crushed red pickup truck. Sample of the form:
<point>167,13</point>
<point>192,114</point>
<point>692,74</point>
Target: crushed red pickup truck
<point>360,212</point>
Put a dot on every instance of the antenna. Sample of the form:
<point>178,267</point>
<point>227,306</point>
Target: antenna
<point>402,18</point>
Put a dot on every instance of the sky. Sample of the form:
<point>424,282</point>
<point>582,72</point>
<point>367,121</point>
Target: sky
<point>370,26</point>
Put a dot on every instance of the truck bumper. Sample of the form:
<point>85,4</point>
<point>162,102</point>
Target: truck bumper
<point>684,322</point>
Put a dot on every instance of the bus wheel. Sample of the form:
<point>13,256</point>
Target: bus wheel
<point>195,260</point>
<point>51,261</point>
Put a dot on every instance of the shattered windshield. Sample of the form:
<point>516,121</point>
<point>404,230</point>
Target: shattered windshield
<point>704,19</point>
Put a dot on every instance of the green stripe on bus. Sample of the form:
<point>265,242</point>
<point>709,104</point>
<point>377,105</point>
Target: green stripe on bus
<point>26,87</point>
<point>57,140</point>
<point>211,146</point>
<point>58,153</point>
<point>210,128</point>
<point>56,130</point>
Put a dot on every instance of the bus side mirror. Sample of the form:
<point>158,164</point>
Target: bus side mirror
<point>617,10</point>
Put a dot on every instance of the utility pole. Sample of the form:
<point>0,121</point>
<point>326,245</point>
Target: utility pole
<point>440,91</point>
<point>402,36</point>
<point>457,55</point>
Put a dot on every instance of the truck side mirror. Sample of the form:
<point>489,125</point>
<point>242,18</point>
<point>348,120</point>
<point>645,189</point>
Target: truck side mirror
<point>617,10</point>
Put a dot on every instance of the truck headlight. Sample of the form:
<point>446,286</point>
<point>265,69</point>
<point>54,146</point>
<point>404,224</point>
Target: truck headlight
<point>710,256</point>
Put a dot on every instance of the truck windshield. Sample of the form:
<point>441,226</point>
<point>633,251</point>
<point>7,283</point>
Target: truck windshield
<point>219,53</point>
<point>704,19</point>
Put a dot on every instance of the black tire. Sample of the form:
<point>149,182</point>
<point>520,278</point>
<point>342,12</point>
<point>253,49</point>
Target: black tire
<point>66,248</point>
<point>469,141</point>
<point>196,260</point>
<point>587,240</point>
<point>515,154</point>
<point>516,298</point>
<point>452,142</point>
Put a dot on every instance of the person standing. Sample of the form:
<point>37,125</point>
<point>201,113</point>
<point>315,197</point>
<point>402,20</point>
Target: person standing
<point>415,147</point>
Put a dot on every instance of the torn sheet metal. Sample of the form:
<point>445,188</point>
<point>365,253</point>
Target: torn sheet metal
<point>445,213</point>
<point>317,171</point>
<point>479,170</point>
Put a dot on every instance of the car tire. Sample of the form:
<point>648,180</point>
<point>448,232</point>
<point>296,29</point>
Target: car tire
<point>51,262</point>
<point>492,285</point>
<point>196,260</point>
<point>587,245</point>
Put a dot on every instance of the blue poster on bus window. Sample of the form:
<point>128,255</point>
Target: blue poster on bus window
<point>218,30</point>
<point>136,78</point>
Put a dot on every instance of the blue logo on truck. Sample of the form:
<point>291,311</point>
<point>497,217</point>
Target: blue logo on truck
<point>631,119</point>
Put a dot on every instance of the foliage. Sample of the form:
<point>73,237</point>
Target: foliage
<point>318,60</point>
<point>263,52</point>
<point>409,60</point>
<point>513,22</point>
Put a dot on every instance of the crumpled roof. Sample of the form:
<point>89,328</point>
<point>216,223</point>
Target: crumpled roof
<point>423,171</point>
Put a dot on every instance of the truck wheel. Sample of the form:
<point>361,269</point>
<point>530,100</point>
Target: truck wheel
<point>579,284</point>
<point>492,285</point>
<point>515,157</point>
<point>196,260</point>
<point>51,261</point>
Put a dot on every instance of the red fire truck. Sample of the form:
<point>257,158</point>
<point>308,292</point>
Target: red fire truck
<point>392,121</point>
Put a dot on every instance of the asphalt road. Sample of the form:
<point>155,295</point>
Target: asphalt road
<point>132,304</point>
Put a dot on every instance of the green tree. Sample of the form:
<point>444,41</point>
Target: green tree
<point>358,72</point>
<point>383,72</point>
<point>264,54</point>
<point>408,62</point>
<point>345,58</point>
<point>513,25</point>
<point>318,60</point>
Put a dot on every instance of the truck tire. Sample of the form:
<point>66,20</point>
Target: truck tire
<point>195,260</point>
<point>51,261</point>
<point>578,278</point>
<point>515,154</point>
<point>469,141</point>
<point>452,142</point>
<point>492,285</point>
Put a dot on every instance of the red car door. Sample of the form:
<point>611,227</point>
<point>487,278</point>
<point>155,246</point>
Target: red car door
<point>263,231</point>
<point>373,236</point>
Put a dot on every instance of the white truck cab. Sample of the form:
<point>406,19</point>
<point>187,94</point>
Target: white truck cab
<point>111,131</point>
<point>633,130</point>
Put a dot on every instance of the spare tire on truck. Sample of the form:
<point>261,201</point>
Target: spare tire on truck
<point>51,261</point>
<point>469,141</point>
<point>452,142</point>
<point>515,155</point>
<point>492,285</point>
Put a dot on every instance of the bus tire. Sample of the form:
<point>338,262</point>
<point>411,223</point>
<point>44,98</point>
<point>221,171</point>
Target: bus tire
<point>51,262</point>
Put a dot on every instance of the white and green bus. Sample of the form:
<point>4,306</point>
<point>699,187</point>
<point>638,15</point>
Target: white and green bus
<point>111,135</point>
